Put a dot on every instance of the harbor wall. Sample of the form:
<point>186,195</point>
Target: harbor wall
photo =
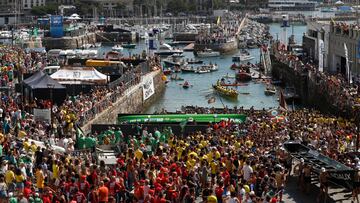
<point>69,42</point>
<point>132,102</point>
<point>113,37</point>
<point>228,47</point>
<point>311,92</point>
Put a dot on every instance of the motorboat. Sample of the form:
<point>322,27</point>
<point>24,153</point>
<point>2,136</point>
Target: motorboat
<point>129,46</point>
<point>270,90</point>
<point>117,47</point>
<point>242,57</point>
<point>192,61</point>
<point>243,76</point>
<point>207,53</point>
<point>167,50</point>
<point>211,67</point>
<point>176,77</point>
<point>168,71</point>
<point>201,70</point>
<point>188,69</point>
<point>186,85</point>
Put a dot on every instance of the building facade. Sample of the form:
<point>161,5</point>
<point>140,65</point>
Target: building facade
<point>317,31</point>
<point>340,34</point>
<point>29,4</point>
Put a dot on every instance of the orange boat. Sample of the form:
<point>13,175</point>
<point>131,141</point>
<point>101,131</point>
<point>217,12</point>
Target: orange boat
<point>234,85</point>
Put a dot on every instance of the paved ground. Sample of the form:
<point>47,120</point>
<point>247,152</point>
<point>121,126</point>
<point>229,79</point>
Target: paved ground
<point>292,193</point>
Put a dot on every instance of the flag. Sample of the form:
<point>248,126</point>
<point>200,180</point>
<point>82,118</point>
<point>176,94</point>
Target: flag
<point>282,102</point>
<point>182,125</point>
<point>348,73</point>
<point>211,100</point>
<point>321,55</point>
<point>218,20</point>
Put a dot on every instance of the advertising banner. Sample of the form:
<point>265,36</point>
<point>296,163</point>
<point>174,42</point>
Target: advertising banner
<point>148,88</point>
<point>42,115</point>
<point>56,26</point>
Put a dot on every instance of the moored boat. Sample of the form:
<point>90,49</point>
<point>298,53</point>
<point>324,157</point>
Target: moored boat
<point>129,46</point>
<point>176,77</point>
<point>270,90</point>
<point>188,69</point>
<point>243,76</point>
<point>192,61</point>
<point>167,71</point>
<point>117,47</point>
<point>242,57</point>
<point>207,53</point>
<point>167,50</point>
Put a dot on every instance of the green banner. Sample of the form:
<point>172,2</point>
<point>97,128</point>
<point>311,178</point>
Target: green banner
<point>179,118</point>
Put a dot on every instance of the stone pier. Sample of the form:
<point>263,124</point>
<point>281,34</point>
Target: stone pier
<point>69,42</point>
<point>131,102</point>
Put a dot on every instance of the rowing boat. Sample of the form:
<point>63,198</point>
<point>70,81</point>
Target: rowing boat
<point>234,85</point>
<point>226,92</point>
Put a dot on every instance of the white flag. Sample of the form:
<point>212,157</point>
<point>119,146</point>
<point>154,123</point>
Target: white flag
<point>348,73</point>
<point>321,55</point>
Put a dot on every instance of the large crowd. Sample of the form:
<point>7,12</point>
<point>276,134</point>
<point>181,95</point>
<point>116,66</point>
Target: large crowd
<point>227,162</point>
<point>336,87</point>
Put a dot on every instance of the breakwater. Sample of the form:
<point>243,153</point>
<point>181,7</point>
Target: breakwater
<point>69,42</point>
<point>132,101</point>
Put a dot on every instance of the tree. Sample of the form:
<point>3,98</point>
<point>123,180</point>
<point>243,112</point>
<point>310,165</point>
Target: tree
<point>177,6</point>
<point>50,8</point>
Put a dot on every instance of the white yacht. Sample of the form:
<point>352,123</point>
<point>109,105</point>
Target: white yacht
<point>167,50</point>
<point>242,57</point>
<point>208,53</point>
<point>117,48</point>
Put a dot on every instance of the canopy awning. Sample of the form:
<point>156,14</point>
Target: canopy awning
<point>79,75</point>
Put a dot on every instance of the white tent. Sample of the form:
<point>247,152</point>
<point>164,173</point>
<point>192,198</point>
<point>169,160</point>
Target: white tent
<point>339,3</point>
<point>79,75</point>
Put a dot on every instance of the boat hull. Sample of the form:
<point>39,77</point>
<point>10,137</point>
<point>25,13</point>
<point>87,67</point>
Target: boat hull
<point>224,92</point>
<point>243,77</point>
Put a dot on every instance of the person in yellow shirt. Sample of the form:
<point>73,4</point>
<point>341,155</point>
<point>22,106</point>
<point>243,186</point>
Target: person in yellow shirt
<point>55,169</point>
<point>39,179</point>
<point>19,179</point>
<point>26,145</point>
<point>10,177</point>
<point>33,147</point>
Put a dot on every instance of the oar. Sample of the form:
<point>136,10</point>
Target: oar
<point>245,93</point>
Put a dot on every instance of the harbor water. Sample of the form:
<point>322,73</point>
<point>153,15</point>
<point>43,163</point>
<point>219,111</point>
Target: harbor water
<point>252,95</point>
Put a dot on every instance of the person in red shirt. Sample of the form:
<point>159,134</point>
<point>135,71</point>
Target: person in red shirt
<point>47,197</point>
<point>84,185</point>
<point>219,191</point>
<point>79,197</point>
<point>27,190</point>
<point>114,187</point>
